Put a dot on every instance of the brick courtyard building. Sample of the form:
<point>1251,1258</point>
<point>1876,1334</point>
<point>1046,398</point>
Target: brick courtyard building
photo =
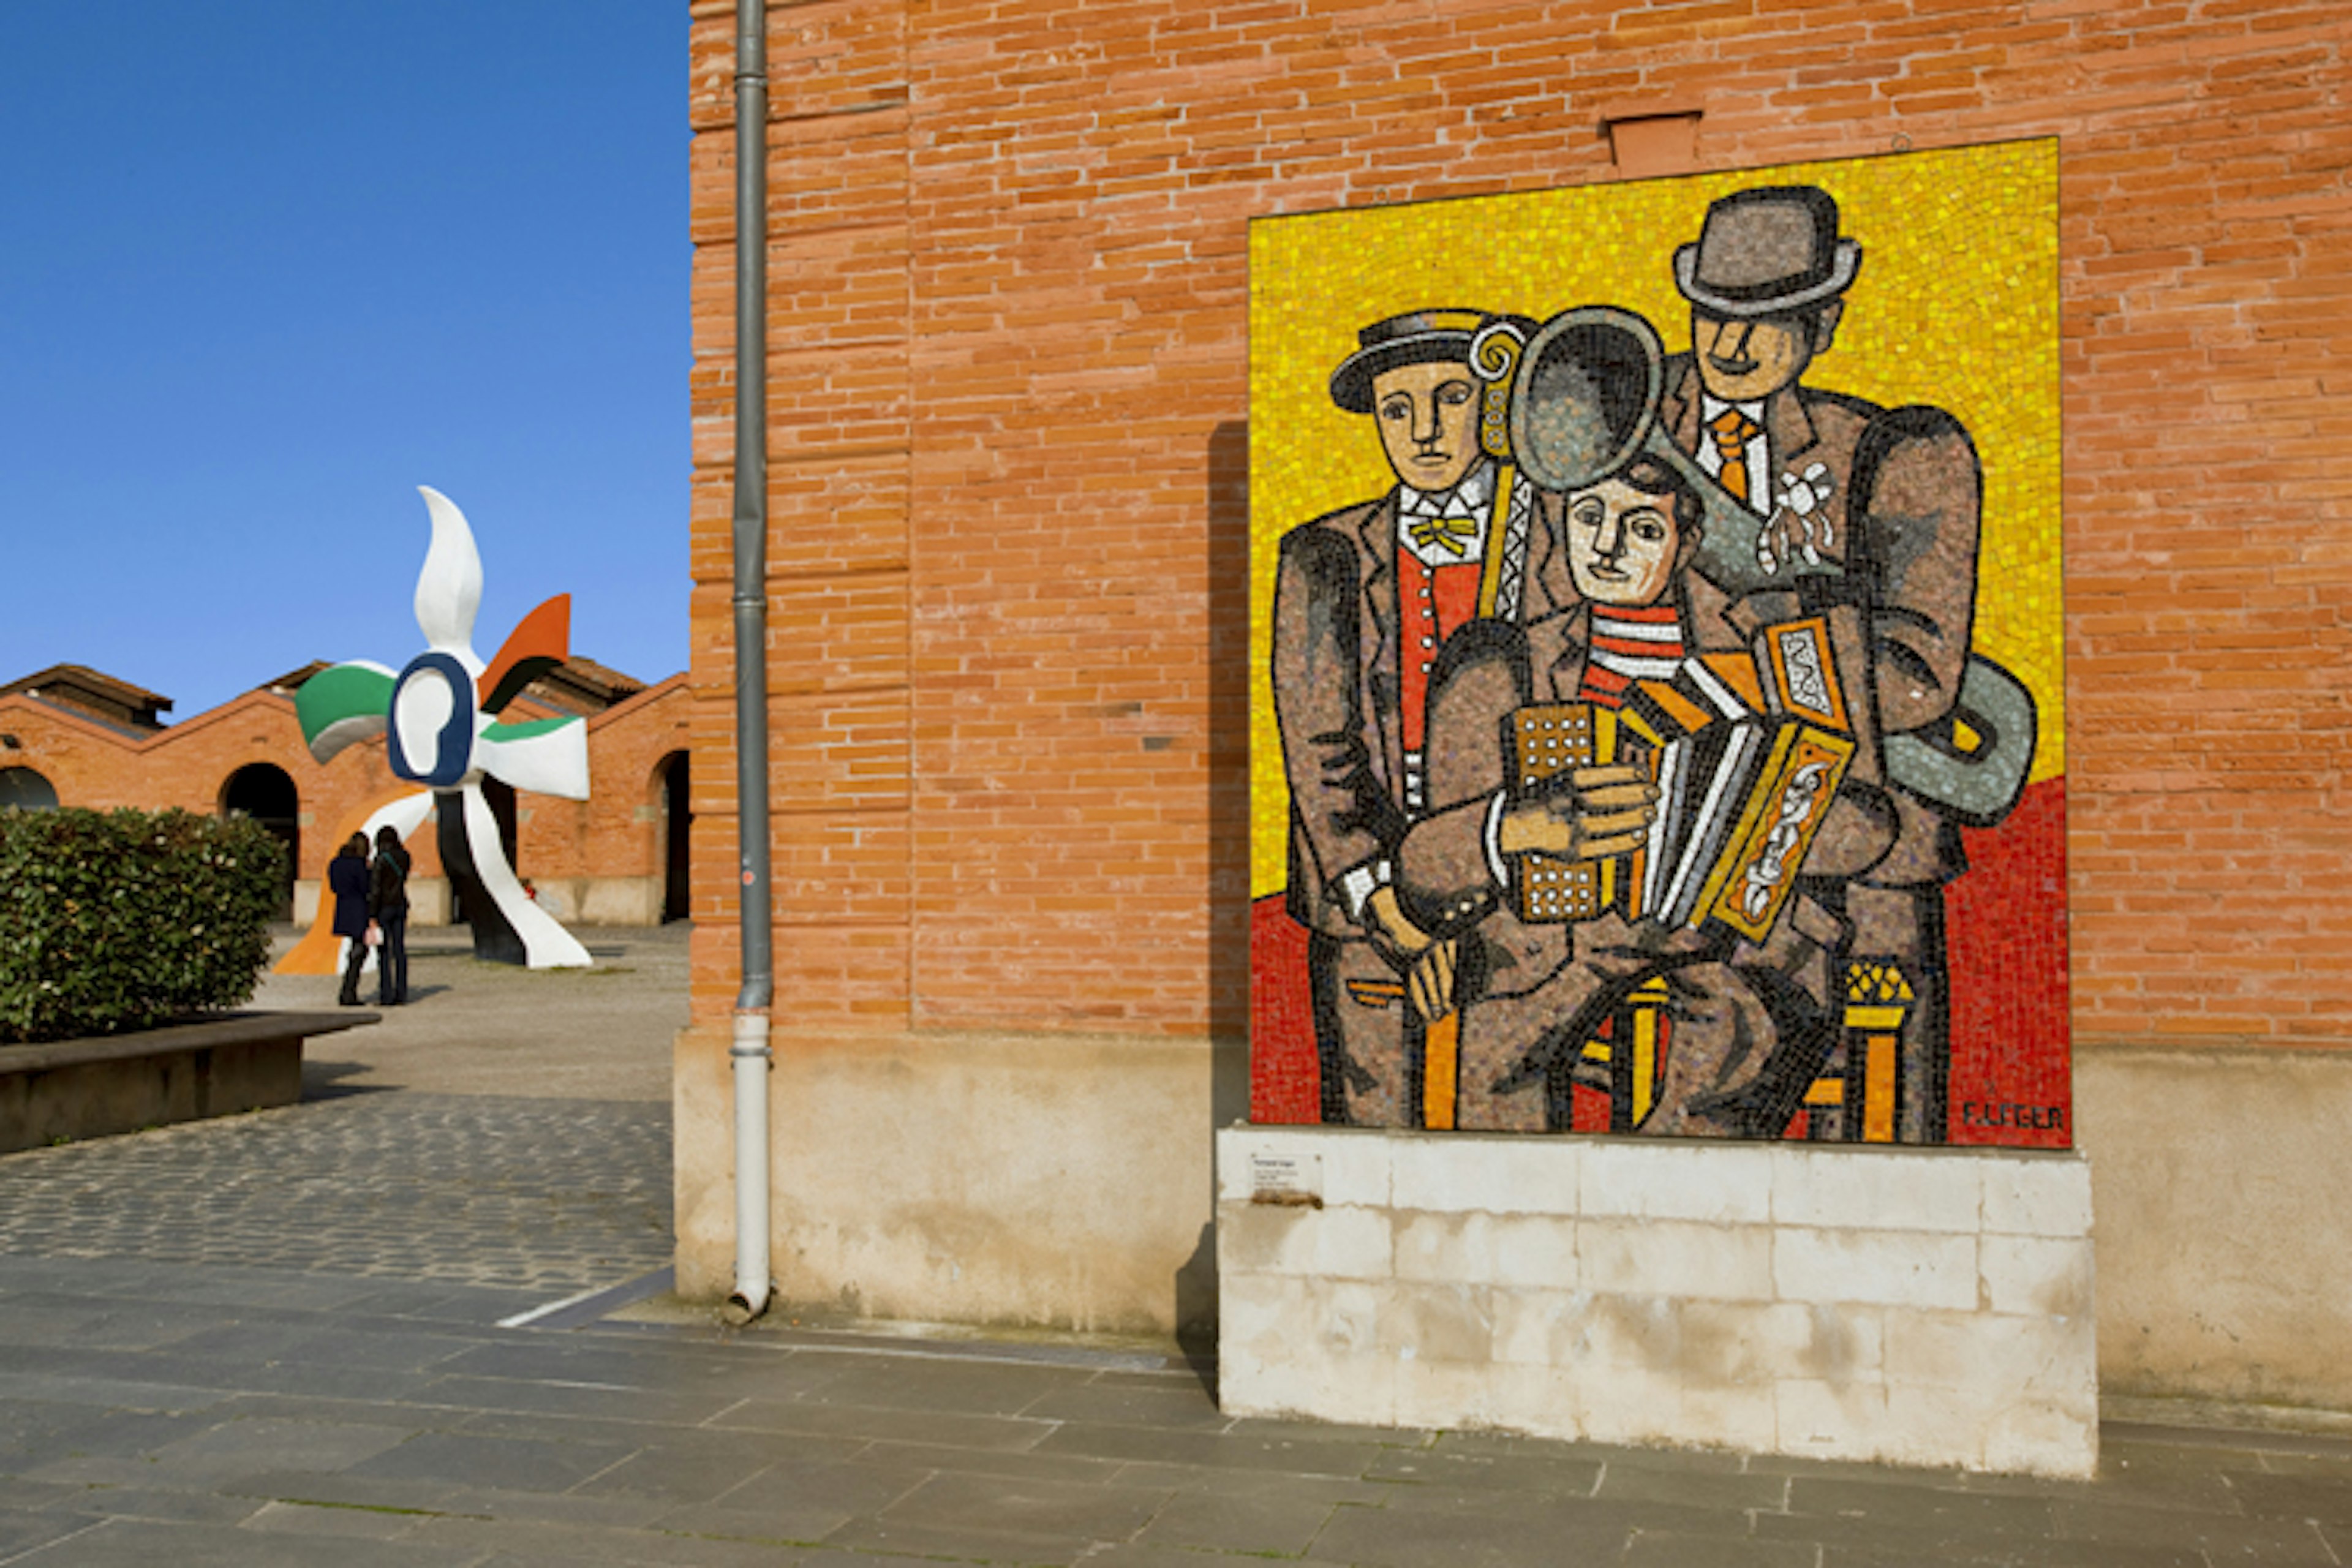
<point>73,736</point>
<point>1008,424</point>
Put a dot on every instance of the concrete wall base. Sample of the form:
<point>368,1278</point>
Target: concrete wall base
<point>2224,1192</point>
<point>1038,1181</point>
<point>1928,1307</point>
<point>894,1150</point>
<point>602,900</point>
<point>428,901</point>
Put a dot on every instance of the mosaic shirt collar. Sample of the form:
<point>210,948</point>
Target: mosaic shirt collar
<point>1469,502</point>
<point>1710,406</point>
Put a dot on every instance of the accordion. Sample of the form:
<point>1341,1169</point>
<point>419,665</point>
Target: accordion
<point>1747,751</point>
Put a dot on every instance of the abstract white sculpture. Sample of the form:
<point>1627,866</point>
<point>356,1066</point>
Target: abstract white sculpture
<point>438,717</point>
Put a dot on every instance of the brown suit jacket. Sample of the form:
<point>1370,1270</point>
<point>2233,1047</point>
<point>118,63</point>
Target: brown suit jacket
<point>1337,694</point>
<point>1442,875</point>
<point>1904,512</point>
<point>1521,984</point>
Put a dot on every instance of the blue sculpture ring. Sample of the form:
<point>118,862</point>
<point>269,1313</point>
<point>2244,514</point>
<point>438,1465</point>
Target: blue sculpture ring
<point>453,748</point>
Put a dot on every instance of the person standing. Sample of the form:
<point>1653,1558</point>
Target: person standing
<point>1365,597</point>
<point>1890,498</point>
<point>388,901</point>
<point>347,880</point>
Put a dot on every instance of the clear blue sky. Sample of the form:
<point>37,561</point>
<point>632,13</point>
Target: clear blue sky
<point>266,266</point>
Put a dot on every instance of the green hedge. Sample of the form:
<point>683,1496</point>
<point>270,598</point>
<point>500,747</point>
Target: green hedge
<point>123,920</point>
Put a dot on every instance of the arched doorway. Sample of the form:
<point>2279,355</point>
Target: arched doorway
<point>266,793</point>
<point>22,789</point>
<point>677,819</point>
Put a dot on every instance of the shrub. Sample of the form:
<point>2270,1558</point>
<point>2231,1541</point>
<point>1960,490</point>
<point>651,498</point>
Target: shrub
<point>122,919</point>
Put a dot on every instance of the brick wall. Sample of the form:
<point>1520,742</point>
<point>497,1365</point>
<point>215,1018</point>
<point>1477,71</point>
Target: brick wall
<point>1007,375</point>
<point>188,765</point>
<point>614,833</point>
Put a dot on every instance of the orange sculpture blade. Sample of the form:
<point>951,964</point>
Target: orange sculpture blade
<point>319,951</point>
<point>537,643</point>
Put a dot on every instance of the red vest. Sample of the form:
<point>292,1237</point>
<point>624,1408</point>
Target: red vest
<point>1434,602</point>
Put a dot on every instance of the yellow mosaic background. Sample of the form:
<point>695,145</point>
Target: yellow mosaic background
<point>1956,305</point>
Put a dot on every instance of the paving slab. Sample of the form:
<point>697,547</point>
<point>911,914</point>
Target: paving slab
<point>247,1445</point>
<point>2324,1499</point>
<point>768,1447</point>
<point>1452,1471</point>
<point>1029,1506</point>
<point>1672,1549</point>
<point>1265,1526</point>
<point>623,1444</point>
<point>520,1464</point>
<point>1010,1462</point>
<point>1004,1433</point>
<point>156,1503</point>
<point>143,1543</point>
<point>900,1538</point>
<point>787,1521</point>
<point>1302,1452</point>
<point>1460,1538</point>
<point>21,1533</point>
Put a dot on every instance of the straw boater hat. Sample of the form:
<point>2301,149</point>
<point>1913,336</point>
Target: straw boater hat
<point>1417,337</point>
<point>1768,250</point>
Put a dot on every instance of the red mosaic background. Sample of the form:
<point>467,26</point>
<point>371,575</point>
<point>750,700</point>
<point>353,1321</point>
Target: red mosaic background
<point>2012,1081</point>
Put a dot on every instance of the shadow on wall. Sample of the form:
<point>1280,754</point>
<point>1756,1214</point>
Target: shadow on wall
<point>1229,820</point>
<point>1196,1309</point>
<point>1195,1282</point>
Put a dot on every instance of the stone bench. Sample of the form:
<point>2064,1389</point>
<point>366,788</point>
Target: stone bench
<point>67,1089</point>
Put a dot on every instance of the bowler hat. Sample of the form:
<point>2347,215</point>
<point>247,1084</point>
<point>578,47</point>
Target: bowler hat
<point>1417,337</point>
<point>1767,250</point>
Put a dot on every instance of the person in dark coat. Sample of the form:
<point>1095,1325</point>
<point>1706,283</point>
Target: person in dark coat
<point>347,880</point>
<point>388,901</point>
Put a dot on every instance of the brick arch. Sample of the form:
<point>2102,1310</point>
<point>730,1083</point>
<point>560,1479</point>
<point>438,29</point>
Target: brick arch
<point>669,792</point>
<point>268,794</point>
<point>27,789</point>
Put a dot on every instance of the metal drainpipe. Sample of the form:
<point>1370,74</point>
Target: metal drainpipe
<point>749,1053</point>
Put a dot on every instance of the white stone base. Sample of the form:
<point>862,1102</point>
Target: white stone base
<point>1916,1306</point>
<point>602,900</point>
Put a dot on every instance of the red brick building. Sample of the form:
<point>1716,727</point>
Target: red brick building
<point>89,740</point>
<point>1007,420</point>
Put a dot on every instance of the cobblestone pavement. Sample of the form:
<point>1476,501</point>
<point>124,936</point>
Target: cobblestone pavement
<point>559,1195</point>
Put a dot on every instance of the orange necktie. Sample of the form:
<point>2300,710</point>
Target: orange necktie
<point>1732,431</point>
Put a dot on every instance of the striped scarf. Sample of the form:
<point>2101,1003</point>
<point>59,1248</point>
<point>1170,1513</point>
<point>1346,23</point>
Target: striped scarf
<point>1629,644</point>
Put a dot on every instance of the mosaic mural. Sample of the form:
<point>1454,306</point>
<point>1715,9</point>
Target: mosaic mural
<point>1657,719</point>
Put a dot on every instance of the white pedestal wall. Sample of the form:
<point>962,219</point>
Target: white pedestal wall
<point>1926,1307</point>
